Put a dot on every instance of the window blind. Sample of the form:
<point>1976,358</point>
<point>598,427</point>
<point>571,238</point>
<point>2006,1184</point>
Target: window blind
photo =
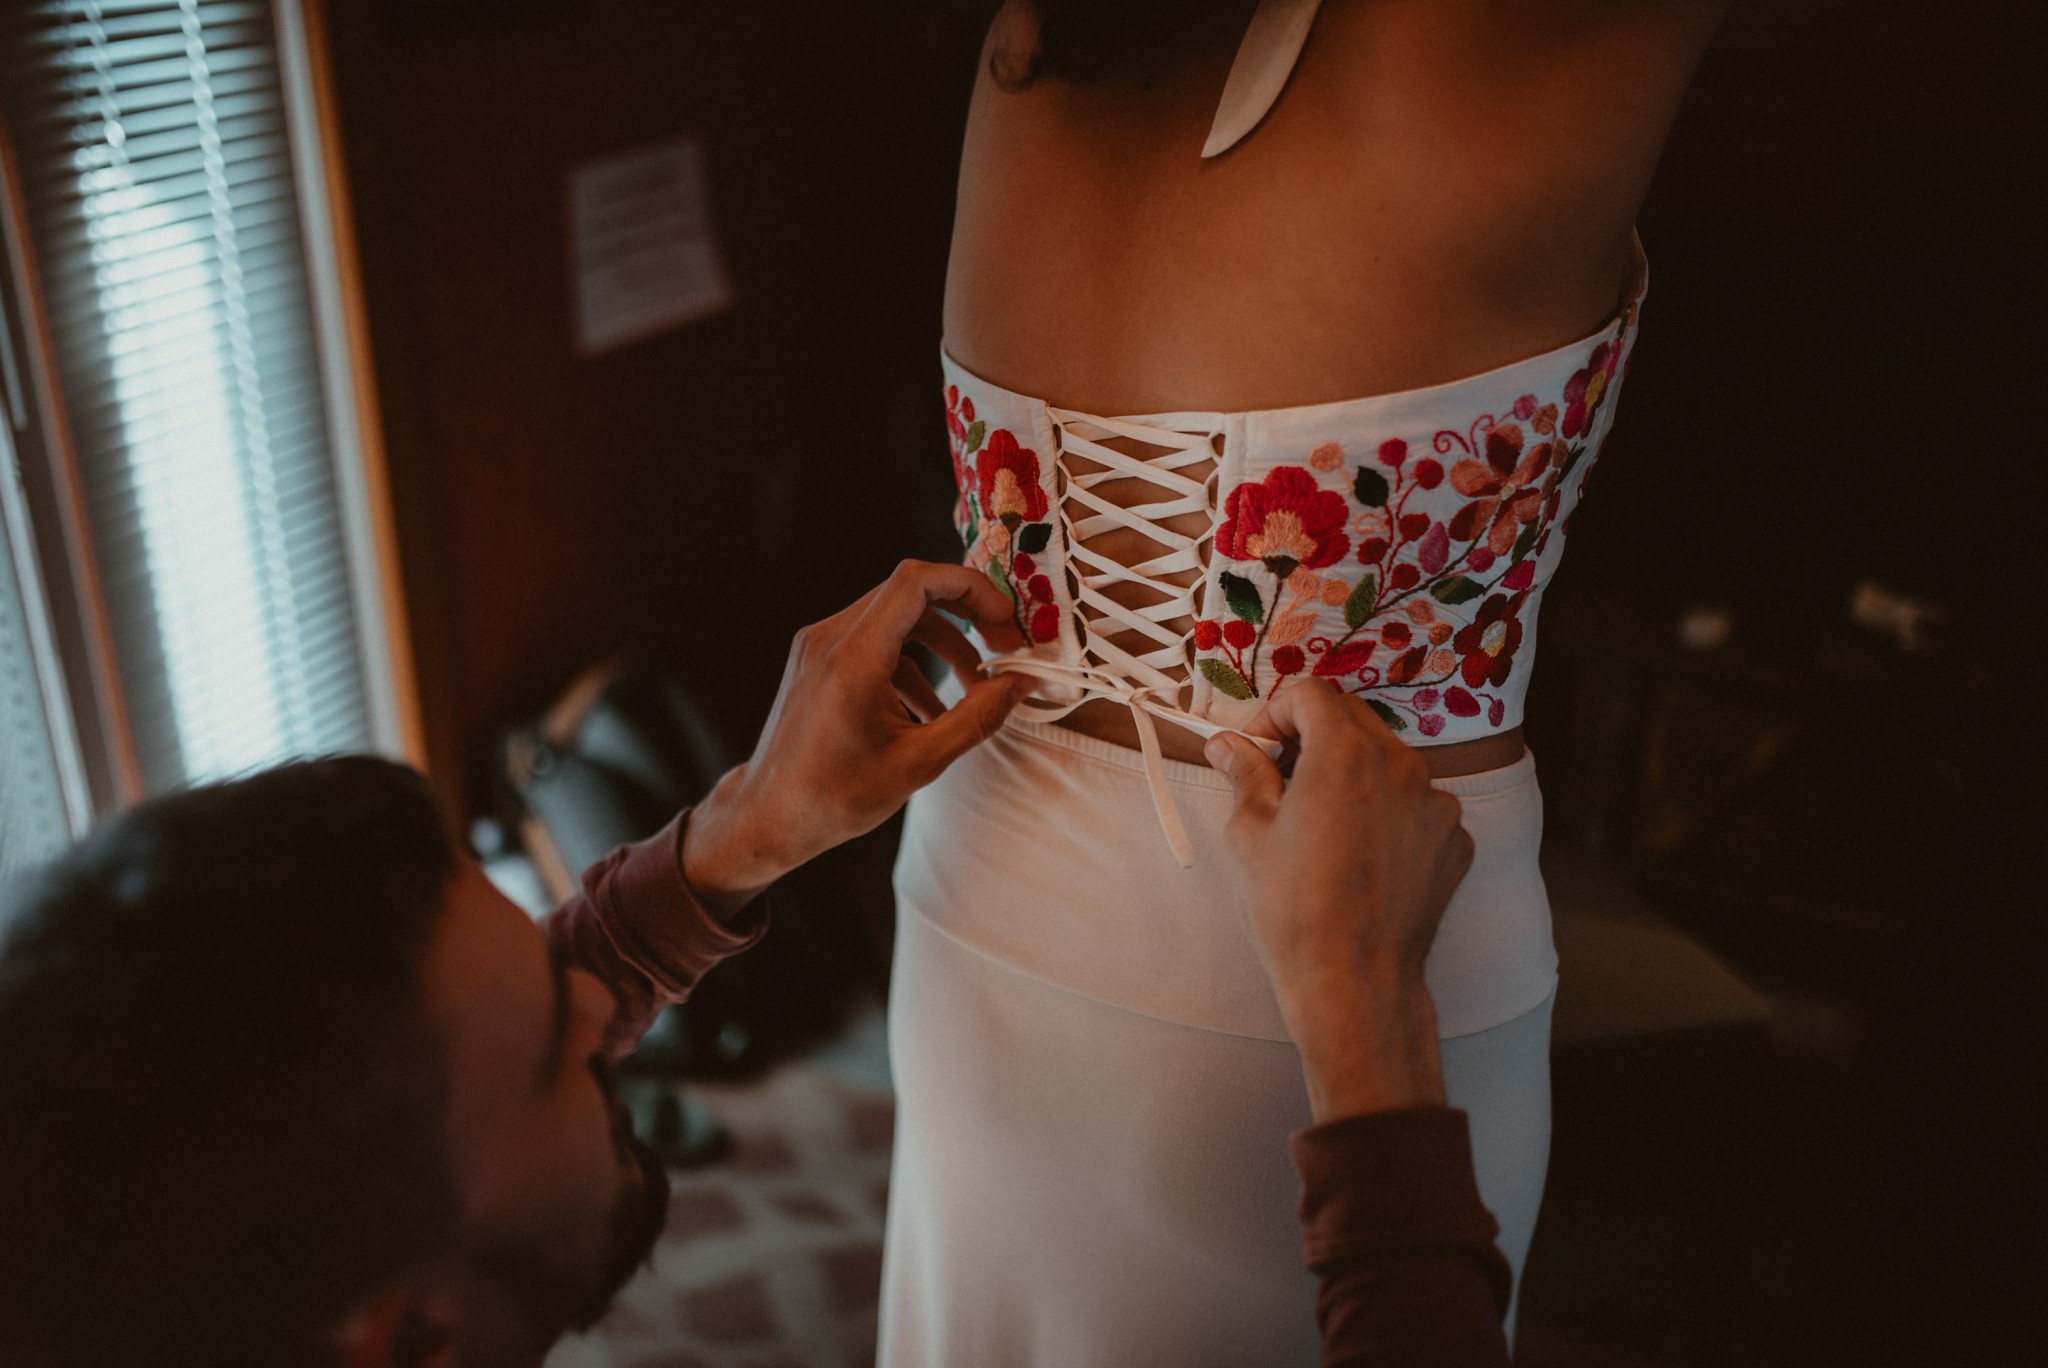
<point>157,181</point>
<point>33,826</point>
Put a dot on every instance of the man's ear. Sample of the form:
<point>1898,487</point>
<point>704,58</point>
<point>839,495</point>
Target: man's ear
<point>403,1326</point>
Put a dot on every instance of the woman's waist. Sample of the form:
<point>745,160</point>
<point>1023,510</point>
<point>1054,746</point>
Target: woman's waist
<point>1109,720</point>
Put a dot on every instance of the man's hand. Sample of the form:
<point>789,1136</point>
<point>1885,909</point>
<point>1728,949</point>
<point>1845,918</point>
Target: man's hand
<point>1346,870</point>
<point>854,732</point>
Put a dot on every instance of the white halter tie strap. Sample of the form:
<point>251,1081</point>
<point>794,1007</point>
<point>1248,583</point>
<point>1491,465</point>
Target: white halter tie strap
<point>1155,681</point>
<point>1272,43</point>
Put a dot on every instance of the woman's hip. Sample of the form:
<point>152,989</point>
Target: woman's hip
<point>1040,850</point>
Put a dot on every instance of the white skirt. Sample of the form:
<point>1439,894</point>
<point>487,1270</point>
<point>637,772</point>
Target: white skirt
<point>1095,1088</point>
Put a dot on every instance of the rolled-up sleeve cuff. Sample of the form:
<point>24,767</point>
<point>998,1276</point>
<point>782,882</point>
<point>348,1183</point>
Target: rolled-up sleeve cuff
<point>656,921</point>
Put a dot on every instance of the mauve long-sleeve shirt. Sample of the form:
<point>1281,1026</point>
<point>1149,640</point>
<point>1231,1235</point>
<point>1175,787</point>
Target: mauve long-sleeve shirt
<point>1392,1225</point>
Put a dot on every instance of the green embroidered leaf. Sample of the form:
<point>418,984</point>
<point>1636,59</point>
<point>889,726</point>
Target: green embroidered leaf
<point>1463,589</point>
<point>1394,720</point>
<point>1228,682</point>
<point>976,430</point>
<point>1571,458</point>
<point>1370,486</point>
<point>1358,607</point>
<point>1243,597</point>
<point>1524,542</point>
<point>1001,575</point>
<point>1032,537</point>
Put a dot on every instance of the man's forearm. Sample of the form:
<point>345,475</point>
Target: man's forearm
<point>728,858</point>
<point>645,932</point>
<point>1368,1043</point>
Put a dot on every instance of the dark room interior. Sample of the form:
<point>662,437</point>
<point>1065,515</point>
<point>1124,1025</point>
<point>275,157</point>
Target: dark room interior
<point>1780,718</point>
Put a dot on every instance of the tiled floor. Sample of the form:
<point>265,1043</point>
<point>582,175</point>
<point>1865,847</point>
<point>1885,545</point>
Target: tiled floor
<point>773,1256</point>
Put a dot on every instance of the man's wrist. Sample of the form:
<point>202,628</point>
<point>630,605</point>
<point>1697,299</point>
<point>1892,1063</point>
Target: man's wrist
<point>729,853</point>
<point>1368,1044</point>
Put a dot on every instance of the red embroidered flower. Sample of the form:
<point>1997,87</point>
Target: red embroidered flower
<point>1009,480</point>
<point>1584,391</point>
<point>1349,658</point>
<point>1488,642</point>
<point>1285,521</point>
<point>1207,635</point>
<point>1045,623</point>
<point>1504,493</point>
<point>1239,633</point>
<point>959,413</point>
<point>1288,660</point>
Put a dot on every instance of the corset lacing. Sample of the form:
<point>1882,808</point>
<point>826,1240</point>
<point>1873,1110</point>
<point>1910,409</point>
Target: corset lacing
<point>1156,681</point>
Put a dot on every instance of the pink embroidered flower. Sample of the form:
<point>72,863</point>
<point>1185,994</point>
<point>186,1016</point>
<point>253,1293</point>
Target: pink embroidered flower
<point>1504,493</point>
<point>1488,642</point>
<point>1285,521</point>
<point>1584,391</point>
<point>1009,481</point>
<point>1327,457</point>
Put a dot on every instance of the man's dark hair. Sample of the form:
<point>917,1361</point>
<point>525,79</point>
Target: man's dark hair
<point>220,1101</point>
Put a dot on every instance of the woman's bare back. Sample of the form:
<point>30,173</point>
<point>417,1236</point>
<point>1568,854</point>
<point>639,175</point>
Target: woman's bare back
<point>1445,186</point>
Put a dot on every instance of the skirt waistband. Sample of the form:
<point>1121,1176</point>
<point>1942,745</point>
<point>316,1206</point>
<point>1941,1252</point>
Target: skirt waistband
<point>1182,774</point>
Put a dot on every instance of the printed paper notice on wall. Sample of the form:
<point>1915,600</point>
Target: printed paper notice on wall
<point>643,252</point>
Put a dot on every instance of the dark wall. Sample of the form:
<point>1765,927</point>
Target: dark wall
<point>699,493</point>
<point>1836,324</point>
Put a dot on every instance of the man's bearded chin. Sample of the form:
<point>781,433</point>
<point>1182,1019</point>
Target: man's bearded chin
<point>557,1294</point>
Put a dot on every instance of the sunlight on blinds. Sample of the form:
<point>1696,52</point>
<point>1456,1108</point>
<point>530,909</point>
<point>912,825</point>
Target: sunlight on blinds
<point>32,821</point>
<point>161,199</point>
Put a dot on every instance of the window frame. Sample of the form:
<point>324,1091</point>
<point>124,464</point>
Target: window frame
<point>75,643</point>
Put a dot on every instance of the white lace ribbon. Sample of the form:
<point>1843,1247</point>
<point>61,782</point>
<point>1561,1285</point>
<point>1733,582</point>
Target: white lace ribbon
<point>1145,705</point>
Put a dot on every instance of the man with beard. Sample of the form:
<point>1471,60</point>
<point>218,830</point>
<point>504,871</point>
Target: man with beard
<point>284,1081</point>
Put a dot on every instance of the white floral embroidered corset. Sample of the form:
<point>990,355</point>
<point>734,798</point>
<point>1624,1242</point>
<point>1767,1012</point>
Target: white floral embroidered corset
<point>1397,545</point>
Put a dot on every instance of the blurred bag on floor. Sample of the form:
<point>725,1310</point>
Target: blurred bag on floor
<point>612,761</point>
